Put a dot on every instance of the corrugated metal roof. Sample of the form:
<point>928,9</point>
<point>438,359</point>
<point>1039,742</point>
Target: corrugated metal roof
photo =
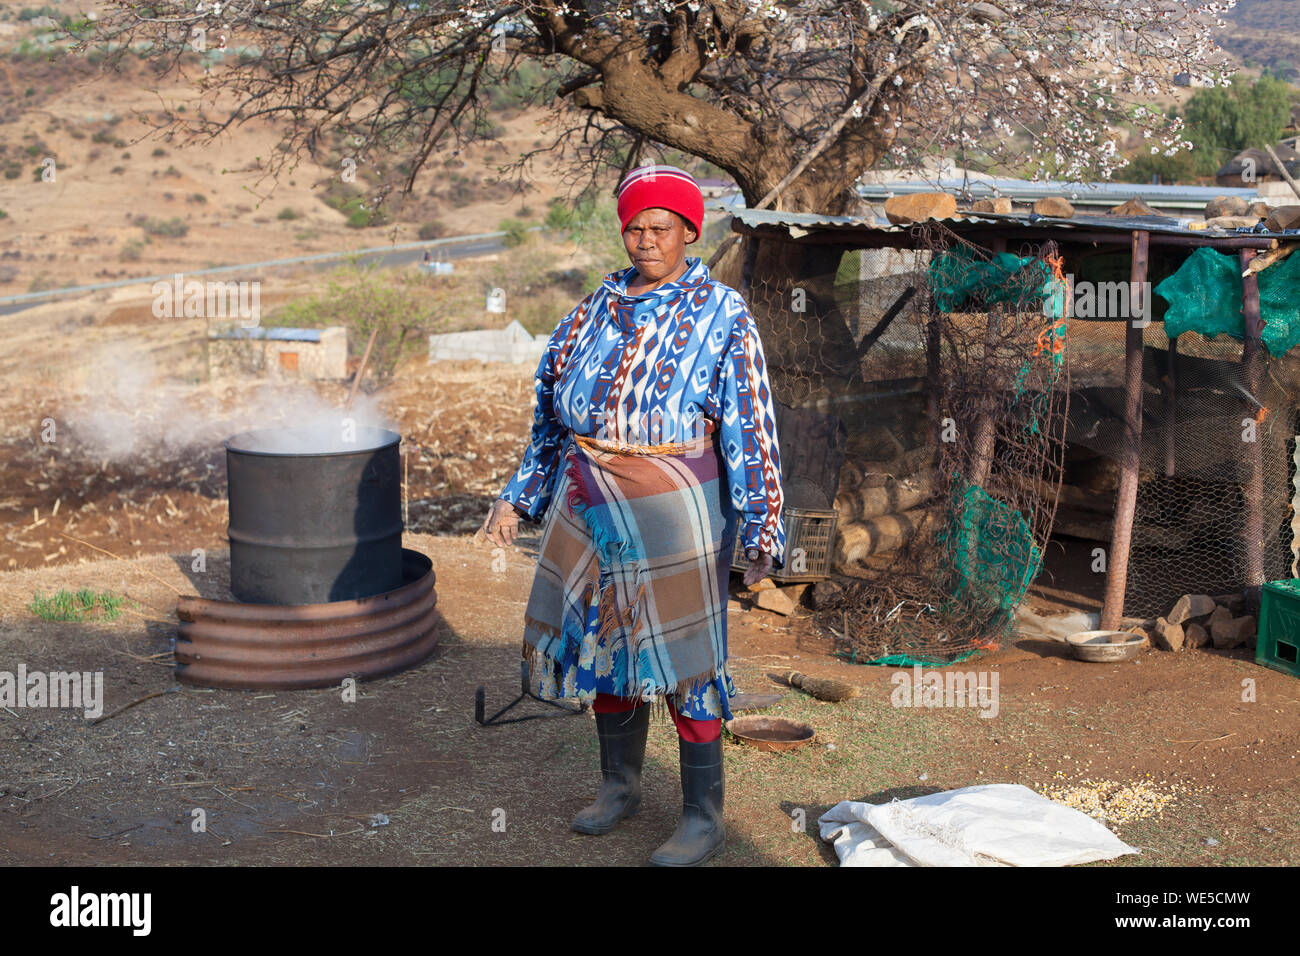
<point>1080,194</point>
<point>807,221</point>
<point>1026,191</point>
<point>754,217</point>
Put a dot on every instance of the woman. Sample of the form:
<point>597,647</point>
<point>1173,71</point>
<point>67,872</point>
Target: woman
<point>654,431</point>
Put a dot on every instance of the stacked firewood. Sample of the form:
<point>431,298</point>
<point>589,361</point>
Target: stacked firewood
<point>883,505</point>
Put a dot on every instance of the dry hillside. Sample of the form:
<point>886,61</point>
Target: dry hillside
<point>1267,32</point>
<point>126,201</point>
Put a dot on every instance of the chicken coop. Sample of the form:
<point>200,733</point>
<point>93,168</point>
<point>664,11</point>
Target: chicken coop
<point>1101,406</point>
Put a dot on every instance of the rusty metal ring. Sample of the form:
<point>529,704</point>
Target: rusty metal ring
<point>284,647</point>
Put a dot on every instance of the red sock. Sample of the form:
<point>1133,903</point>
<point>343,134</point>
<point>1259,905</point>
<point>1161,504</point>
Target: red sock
<point>612,704</point>
<point>696,731</point>
<point>688,728</point>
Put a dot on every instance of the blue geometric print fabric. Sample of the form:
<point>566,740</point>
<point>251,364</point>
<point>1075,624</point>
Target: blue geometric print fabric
<point>647,369</point>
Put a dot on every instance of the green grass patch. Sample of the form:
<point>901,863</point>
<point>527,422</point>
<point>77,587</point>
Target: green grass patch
<point>84,604</point>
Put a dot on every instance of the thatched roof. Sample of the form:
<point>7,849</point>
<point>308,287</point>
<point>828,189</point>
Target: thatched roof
<point>1261,163</point>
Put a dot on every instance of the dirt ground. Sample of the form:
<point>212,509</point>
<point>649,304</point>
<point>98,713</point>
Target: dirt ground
<point>304,777</point>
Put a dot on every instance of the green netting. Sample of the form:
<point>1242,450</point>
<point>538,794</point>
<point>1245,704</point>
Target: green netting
<point>1204,296</point>
<point>961,275</point>
<point>907,660</point>
<point>991,551</point>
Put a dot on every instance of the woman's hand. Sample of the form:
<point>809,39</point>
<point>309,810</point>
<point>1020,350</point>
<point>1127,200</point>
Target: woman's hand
<point>502,524</point>
<point>758,569</point>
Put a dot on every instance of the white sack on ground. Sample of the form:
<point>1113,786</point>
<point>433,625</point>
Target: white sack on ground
<point>1001,824</point>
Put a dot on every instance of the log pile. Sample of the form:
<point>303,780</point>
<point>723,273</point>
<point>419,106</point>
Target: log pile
<point>883,505</point>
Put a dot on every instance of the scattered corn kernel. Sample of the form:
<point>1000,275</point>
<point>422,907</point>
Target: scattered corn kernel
<point>1113,803</point>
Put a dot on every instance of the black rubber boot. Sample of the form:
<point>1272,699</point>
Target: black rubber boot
<point>622,751</point>
<point>700,833</point>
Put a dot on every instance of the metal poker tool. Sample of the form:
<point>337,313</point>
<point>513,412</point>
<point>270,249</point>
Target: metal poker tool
<point>480,704</point>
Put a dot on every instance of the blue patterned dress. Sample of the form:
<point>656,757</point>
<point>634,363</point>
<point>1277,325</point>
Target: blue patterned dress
<point>646,369</point>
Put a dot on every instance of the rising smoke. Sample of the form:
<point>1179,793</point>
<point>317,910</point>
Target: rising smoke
<point>128,410</point>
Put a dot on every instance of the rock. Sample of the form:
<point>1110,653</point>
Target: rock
<point>1226,206</point>
<point>1220,615</point>
<point>1191,606</point>
<point>826,594</point>
<point>1231,222</point>
<point>1137,206</point>
<point>1195,636</point>
<point>1136,632</point>
<point>1235,603</point>
<point>776,600</point>
<point>1260,210</point>
<point>1169,637</point>
<point>764,585</point>
<point>918,207</point>
<point>735,607</point>
<point>999,204</point>
<point>1058,207</point>
<point>1283,217</point>
<point>1232,632</point>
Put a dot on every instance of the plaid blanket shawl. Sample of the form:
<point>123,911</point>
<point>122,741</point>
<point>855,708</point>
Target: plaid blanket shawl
<point>646,533</point>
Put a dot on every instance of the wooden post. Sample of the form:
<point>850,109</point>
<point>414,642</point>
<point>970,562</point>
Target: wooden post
<point>361,369</point>
<point>933,345</point>
<point>1126,500</point>
<point>1171,406</point>
<point>1281,168</point>
<point>986,424</point>
<point>1253,492</point>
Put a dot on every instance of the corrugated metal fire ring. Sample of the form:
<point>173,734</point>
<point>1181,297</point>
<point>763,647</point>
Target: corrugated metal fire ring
<point>289,647</point>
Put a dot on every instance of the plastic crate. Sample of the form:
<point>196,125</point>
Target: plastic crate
<point>1277,644</point>
<point>814,532</point>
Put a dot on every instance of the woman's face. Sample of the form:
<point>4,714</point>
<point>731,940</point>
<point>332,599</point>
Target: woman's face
<point>656,243</point>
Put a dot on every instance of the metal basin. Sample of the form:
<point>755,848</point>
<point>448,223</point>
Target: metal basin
<point>772,733</point>
<point>1098,646</point>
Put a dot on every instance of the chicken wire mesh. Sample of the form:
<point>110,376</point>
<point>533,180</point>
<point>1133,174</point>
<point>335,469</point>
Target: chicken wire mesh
<point>951,382</point>
<point>1204,431</point>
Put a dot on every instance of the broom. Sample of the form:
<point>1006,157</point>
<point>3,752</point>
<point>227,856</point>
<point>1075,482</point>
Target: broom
<point>823,688</point>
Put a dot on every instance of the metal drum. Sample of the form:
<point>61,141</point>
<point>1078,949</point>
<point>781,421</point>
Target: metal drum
<point>314,519</point>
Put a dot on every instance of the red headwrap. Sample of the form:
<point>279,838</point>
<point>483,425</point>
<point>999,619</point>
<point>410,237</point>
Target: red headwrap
<point>661,187</point>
